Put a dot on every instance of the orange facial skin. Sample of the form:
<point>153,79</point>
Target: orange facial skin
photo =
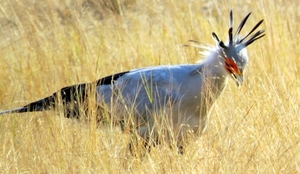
<point>231,67</point>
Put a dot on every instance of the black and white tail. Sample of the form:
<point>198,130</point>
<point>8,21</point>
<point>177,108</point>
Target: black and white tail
<point>71,97</point>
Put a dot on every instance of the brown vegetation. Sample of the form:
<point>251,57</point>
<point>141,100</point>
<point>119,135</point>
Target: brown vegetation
<point>46,45</point>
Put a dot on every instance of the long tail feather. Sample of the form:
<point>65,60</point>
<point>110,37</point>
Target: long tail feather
<point>71,94</point>
<point>71,97</point>
<point>16,110</point>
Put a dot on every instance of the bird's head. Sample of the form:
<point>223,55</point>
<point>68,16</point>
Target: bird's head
<point>234,54</point>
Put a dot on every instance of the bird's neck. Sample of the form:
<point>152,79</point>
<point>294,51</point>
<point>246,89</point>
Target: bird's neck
<point>215,74</point>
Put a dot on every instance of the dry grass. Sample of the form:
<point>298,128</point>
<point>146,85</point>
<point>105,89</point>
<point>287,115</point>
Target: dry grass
<point>50,44</point>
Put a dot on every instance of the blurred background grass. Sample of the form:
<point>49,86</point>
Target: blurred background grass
<point>49,44</point>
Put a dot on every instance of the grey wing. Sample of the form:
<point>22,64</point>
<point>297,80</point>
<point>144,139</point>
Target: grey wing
<point>160,98</point>
<point>147,91</point>
<point>151,92</point>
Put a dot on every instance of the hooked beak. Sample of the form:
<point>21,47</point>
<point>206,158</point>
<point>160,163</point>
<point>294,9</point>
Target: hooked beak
<point>238,78</point>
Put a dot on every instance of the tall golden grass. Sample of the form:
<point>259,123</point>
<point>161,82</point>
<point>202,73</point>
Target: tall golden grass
<point>49,44</point>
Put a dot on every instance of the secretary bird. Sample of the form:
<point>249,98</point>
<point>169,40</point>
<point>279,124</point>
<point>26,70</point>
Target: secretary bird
<point>179,96</point>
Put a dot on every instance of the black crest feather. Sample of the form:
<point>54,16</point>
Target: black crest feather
<point>234,39</point>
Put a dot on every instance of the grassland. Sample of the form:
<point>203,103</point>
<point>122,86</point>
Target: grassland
<point>46,45</point>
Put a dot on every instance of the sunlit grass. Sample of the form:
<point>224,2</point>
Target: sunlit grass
<point>48,45</point>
